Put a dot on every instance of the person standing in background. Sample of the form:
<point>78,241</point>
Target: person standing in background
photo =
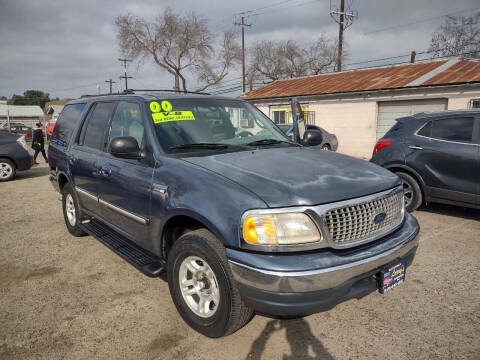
<point>37,143</point>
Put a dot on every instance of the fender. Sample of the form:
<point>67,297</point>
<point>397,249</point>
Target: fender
<point>194,215</point>
<point>408,168</point>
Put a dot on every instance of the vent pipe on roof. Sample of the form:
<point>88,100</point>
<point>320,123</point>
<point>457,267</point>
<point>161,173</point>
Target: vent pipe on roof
<point>412,56</point>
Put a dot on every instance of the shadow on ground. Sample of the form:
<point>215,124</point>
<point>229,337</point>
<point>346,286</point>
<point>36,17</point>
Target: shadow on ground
<point>299,336</point>
<point>452,210</point>
<point>34,172</point>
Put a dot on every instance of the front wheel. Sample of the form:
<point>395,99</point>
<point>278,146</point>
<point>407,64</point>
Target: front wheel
<point>202,286</point>
<point>411,192</point>
<point>326,147</point>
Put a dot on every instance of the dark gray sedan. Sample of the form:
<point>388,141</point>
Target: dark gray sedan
<point>329,142</point>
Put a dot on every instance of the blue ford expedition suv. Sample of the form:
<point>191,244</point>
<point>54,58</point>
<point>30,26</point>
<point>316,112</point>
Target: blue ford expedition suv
<point>241,219</point>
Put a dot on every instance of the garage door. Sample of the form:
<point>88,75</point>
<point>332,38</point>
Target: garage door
<point>388,111</point>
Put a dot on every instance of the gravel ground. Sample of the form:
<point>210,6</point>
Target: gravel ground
<point>72,298</point>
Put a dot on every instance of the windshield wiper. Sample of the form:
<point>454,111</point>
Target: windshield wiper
<point>270,142</point>
<point>199,146</point>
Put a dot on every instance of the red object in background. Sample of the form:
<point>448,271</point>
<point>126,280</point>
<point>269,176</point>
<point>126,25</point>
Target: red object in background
<point>380,145</point>
<point>50,127</point>
<point>21,129</point>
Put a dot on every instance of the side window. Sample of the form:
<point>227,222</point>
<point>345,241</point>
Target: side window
<point>67,121</point>
<point>127,121</point>
<point>93,130</point>
<point>455,129</point>
<point>426,129</point>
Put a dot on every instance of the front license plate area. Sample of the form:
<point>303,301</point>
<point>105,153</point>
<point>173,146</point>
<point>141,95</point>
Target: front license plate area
<point>390,277</point>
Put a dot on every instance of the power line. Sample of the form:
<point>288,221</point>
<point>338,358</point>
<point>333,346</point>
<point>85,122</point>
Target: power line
<point>125,69</point>
<point>110,82</point>
<point>418,21</point>
<point>243,24</point>
<point>344,17</point>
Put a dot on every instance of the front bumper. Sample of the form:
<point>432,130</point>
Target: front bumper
<point>302,284</point>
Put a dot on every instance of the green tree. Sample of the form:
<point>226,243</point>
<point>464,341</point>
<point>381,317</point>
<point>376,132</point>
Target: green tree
<point>31,97</point>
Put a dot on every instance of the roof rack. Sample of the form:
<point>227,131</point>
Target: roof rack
<point>132,91</point>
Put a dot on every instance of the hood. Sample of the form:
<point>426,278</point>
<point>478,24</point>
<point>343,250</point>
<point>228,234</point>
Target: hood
<point>293,176</point>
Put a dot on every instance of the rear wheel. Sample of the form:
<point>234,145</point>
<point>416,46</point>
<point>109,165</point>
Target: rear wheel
<point>71,212</point>
<point>7,169</point>
<point>411,191</point>
<point>202,286</point>
<point>326,147</point>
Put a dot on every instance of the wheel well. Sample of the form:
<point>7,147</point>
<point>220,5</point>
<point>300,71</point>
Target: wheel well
<point>176,227</point>
<point>62,180</point>
<point>412,174</point>
<point>8,158</point>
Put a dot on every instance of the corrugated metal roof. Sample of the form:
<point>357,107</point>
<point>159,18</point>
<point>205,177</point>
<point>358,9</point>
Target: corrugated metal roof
<point>390,77</point>
<point>21,110</point>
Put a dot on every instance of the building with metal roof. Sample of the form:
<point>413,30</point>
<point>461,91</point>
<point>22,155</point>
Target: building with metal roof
<point>26,114</point>
<point>360,106</point>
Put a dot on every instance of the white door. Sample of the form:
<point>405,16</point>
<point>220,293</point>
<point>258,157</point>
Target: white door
<point>388,111</point>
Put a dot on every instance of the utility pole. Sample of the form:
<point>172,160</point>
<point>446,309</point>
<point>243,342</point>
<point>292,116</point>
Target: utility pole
<point>110,82</point>
<point>344,18</point>
<point>243,24</point>
<point>125,69</point>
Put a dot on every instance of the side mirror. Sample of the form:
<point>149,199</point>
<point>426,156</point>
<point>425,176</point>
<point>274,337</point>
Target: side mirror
<point>312,137</point>
<point>125,147</point>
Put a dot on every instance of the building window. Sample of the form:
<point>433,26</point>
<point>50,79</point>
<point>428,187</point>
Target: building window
<point>474,104</point>
<point>279,116</point>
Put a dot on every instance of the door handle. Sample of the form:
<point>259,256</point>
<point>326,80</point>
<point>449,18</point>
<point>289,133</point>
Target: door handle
<point>72,160</point>
<point>105,172</point>
<point>415,147</point>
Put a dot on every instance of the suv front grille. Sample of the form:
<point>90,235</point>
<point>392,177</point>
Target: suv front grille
<point>355,223</point>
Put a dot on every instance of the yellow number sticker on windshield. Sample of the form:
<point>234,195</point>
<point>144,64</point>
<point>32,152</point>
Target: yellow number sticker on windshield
<point>166,106</point>
<point>163,117</point>
<point>154,106</point>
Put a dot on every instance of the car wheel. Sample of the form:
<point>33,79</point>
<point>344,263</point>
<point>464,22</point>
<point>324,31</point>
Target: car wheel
<point>326,147</point>
<point>411,191</point>
<point>202,286</point>
<point>71,212</point>
<point>7,169</point>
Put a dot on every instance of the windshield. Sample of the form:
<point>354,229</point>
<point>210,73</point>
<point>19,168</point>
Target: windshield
<point>179,122</point>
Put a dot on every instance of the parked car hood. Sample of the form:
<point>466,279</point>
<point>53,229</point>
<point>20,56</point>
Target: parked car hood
<point>294,176</point>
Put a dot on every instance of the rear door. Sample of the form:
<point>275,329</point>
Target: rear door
<point>445,153</point>
<point>125,184</point>
<point>83,159</point>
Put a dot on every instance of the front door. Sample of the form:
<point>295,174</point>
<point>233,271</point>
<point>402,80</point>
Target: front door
<point>448,155</point>
<point>125,184</point>
<point>83,157</point>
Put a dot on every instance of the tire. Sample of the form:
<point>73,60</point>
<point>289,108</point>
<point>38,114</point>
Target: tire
<point>326,147</point>
<point>69,204</point>
<point>7,170</point>
<point>225,313</point>
<point>412,192</point>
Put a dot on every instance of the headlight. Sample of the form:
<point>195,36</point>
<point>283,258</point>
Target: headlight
<point>280,229</point>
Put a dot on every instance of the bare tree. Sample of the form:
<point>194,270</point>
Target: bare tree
<point>457,36</point>
<point>180,45</point>
<point>276,60</point>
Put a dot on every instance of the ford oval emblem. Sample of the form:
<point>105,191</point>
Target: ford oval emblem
<point>378,218</point>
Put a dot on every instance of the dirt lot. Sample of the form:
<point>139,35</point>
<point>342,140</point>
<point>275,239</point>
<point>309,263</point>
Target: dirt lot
<point>72,298</point>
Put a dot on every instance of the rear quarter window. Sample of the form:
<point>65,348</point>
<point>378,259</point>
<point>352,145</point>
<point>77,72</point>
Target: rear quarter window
<point>66,123</point>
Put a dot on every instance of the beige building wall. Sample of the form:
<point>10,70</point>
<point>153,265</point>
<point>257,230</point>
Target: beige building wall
<point>354,124</point>
<point>353,118</point>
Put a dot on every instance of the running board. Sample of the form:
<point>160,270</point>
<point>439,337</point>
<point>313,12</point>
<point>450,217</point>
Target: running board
<point>142,260</point>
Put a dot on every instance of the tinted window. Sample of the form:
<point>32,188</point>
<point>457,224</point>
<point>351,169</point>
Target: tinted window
<point>426,130</point>
<point>127,121</point>
<point>67,121</point>
<point>93,131</point>
<point>459,129</point>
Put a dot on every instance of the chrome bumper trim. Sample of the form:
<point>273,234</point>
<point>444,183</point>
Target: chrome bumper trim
<point>319,279</point>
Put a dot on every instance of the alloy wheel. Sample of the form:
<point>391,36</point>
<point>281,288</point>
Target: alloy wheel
<point>199,286</point>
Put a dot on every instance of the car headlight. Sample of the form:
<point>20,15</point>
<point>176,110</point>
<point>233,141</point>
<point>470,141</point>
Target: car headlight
<point>280,229</point>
